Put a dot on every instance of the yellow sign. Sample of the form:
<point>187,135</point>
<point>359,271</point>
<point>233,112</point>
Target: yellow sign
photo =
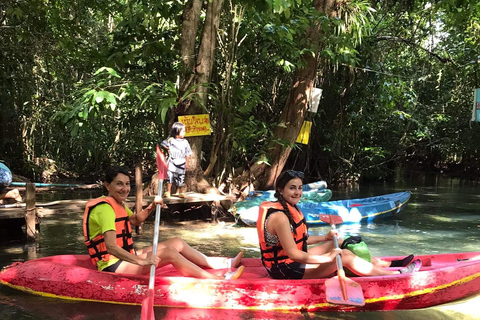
<point>196,125</point>
<point>304,134</point>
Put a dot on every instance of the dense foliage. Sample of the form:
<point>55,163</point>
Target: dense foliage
<point>90,83</point>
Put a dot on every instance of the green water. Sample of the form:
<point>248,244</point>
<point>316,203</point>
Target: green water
<point>442,217</point>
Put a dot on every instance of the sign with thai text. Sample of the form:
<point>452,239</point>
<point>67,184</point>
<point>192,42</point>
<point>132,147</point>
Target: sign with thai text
<point>196,125</point>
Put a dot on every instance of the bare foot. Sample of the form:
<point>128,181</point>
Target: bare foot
<point>235,262</point>
<point>232,275</point>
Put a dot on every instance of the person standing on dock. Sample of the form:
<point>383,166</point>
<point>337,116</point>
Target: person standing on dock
<point>178,152</point>
<point>108,236</point>
<point>11,196</point>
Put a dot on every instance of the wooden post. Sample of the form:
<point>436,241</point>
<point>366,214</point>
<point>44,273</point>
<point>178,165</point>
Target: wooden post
<point>32,251</point>
<point>139,192</point>
<point>31,216</point>
<point>214,210</point>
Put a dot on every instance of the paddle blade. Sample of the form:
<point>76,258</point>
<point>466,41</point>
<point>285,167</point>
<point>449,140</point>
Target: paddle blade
<point>147,307</point>
<point>161,164</point>
<point>333,290</point>
<point>330,218</point>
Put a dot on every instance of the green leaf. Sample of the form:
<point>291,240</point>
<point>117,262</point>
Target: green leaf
<point>105,95</point>
<point>18,13</point>
<point>163,114</point>
<point>108,70</point>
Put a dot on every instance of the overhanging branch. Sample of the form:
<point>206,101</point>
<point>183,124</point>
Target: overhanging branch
<point>413,44</point>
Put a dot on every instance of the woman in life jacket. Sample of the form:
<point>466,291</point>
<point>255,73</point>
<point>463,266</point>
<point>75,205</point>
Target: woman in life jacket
<point>108,237</point>
<point>283,238</point>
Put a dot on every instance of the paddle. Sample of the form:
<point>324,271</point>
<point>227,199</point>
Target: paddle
<point>340,289</point>
<point>147,303</point>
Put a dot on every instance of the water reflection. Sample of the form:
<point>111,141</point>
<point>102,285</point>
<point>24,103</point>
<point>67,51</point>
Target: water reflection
<point>440,218</point>
<point>14,305</point>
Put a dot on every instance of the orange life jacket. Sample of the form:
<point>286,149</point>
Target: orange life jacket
<point>272,255</point>
<point>96,246</point>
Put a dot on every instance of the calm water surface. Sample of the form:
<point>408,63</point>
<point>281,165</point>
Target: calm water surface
<point>442,217</point>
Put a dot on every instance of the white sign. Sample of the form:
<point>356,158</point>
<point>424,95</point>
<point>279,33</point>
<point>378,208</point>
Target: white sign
<point>315,100</point>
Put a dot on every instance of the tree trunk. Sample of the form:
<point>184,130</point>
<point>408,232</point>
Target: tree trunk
<point>190,20</point>
<point>293,114</point>
<point>221,141</point>
<point>198,73</point>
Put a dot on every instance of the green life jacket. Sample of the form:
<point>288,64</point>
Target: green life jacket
<point>358,247</point>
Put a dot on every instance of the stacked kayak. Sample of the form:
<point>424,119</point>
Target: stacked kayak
<point>246,212</point>
<point>351,211</point>
<point>359,210</point>
<point>442,278</point>
<point>317,185</point>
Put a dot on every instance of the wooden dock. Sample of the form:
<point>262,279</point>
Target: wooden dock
<point>192,197</point>
<point>14,216</point>
<point>184,206</point>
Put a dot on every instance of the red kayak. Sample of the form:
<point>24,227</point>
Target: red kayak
<point>443,278</point>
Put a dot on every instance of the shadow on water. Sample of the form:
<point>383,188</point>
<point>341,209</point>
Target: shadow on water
<point>442,217</point>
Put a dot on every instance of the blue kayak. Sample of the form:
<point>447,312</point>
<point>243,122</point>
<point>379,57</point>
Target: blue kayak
<point>358,210</point>
<point>351,211</point>
<point>314,187</point>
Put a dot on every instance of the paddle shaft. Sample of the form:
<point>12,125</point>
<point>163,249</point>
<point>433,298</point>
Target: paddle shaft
<point>158,211</point>
<point>335,241</point>
<point>340,271</point>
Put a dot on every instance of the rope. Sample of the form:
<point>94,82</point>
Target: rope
<point>37,219</point>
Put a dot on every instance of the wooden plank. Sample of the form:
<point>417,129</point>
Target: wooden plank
<point>12,213</point>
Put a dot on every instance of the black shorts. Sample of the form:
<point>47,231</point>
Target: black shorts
<point>176,177</point>
<point>293,270</point>
<point>113,267</point>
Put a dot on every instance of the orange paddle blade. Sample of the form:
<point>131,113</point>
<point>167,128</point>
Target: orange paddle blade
<point>147,307</point>
<point>161,164</point>
<point>354,293</point>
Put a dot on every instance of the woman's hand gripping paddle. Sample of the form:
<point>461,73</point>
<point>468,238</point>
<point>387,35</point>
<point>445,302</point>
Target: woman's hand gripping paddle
<point>340,289</point>
<point>147,303</point>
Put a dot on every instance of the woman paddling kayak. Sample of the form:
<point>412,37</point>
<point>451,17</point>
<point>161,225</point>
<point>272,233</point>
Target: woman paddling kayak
<point>108,237</point>
<point>283,238</point>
